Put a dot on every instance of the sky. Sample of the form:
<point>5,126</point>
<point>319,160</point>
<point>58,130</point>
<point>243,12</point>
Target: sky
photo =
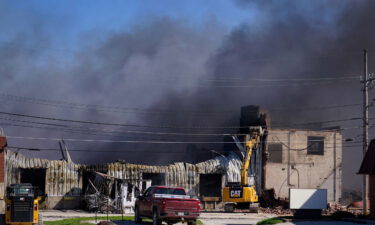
<point>142,60</point>
<point>67,20</point>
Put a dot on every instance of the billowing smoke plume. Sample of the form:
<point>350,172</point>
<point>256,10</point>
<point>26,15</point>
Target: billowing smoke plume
<point>167,72</point>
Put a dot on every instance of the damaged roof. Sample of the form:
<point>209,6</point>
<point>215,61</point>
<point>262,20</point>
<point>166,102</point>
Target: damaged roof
<point>368,163</point>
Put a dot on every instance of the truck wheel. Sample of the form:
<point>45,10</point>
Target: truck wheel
<point>192,222</point>
<point>40,219</point>
<point>137,217</point>
<point>155,218</point>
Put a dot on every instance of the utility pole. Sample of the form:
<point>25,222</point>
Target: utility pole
<point>366,84</point>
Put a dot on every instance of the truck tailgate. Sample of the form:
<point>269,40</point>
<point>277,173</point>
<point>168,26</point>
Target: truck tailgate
<point>178,203</point>
<point>181,205</point>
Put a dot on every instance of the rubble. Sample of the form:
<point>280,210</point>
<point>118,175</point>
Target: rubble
<point>279,210</point>
<point>109,194</point>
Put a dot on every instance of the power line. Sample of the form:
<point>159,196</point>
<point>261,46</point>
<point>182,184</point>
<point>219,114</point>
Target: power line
<point>248,85</point>
<point>159,139</point>
<point>316,108</point>
<point>261,79</point>
<point>130,150</point>
<point>138,111</point>
<point>121,141</point>
<point>141,141</point>
<point>101,107</point>
<point>113,135</point>
<point>159,126</point>
<point>122,131</point>
<point>117,124</point>
<point>319,122</point>
<point>84,132</point>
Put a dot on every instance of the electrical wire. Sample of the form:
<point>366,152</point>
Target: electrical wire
<point>247,85</point>
<point>131,150</point>
<point>324,78</point>
<point>115,109</point>
<point>122,131</point>
<point>120,141</point>
<point>150,141</point>
<point>162,126</point>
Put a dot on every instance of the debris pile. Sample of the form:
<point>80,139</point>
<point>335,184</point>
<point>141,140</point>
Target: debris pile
<point>109,194</point>
<point>278,210</point>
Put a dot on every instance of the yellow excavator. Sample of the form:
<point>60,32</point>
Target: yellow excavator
<point>242,195</point>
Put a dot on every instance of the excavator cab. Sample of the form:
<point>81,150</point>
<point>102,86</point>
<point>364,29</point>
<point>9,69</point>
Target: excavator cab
<point>22,205</point>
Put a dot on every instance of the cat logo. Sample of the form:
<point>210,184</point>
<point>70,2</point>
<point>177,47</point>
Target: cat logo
<point>236,193</point>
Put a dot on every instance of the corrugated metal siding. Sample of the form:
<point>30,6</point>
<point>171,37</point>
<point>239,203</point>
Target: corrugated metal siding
<point>62,178</point>
<point>65,178</point>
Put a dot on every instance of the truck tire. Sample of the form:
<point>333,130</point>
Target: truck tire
<point>40,219</point>
<point>137,217</point>
<point>155,218</point>
<point>192,222</point>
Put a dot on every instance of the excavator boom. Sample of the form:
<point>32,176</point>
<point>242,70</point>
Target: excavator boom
<point>246,162</point>
<point>243,193</point>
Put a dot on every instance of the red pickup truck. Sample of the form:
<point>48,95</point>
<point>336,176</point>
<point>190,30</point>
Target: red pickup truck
<point>169,204</point>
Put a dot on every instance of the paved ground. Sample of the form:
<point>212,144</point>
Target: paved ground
<point>206,218</point>
<point>232,218</point>
<point>49,215</point>
<point>327,223</point>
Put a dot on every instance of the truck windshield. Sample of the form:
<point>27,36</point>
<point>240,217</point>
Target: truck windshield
<point>170,191</point>
<point>21,191</point>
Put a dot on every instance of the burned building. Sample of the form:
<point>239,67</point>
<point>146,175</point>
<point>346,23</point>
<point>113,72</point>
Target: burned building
<point>286,158</point>
<point>65,183</point>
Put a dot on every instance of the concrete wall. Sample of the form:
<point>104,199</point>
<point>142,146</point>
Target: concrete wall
<point>301,170</point>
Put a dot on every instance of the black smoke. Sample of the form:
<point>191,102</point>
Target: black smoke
<point>168,72</point>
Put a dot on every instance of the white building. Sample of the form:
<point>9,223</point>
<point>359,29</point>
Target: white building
<point>300,158</point>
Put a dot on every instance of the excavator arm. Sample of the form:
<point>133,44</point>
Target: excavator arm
<point>242,195</point>
<point>256,133</point>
